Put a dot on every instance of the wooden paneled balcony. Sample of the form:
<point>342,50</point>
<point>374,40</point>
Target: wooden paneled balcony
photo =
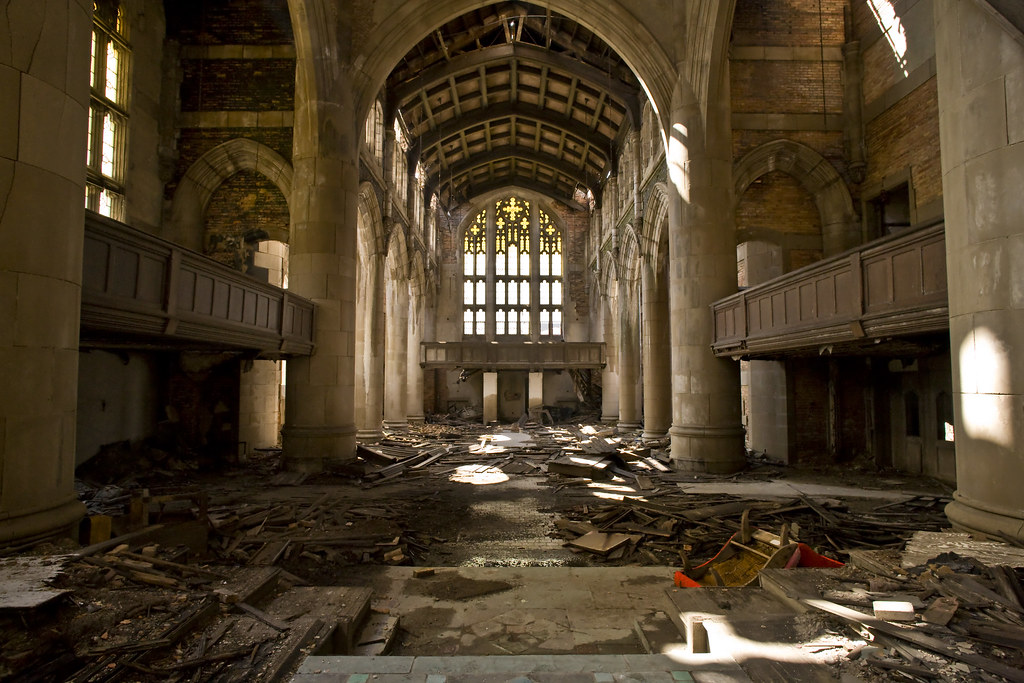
<point>532,356</point>
<point>139,291</point>
<point>891,288</point>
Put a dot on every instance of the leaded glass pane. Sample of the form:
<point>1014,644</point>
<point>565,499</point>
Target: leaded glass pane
<point>556,293</point>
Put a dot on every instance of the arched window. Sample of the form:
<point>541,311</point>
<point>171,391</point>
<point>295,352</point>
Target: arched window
<point>512,265</point>
<point>108,111</point>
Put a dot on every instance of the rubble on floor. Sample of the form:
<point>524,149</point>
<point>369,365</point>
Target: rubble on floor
<point>197,584</point>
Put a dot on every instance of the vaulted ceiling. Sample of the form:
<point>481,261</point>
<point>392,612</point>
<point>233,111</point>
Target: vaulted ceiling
<point>514,94</point>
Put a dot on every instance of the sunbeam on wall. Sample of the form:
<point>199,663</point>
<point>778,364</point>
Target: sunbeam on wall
<point>893,30</point>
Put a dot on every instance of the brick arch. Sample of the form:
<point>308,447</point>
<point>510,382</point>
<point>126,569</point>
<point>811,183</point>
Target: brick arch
<point>209,171</point>
<point>816,175</point>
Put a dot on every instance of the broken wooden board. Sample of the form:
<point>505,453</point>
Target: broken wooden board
<point>602,543</point>
<point>593,467</point>
<point>23,581</point>
<point>924,545</point>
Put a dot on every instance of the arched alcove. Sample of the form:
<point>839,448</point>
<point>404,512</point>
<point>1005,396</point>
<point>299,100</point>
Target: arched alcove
<point>208,172</point>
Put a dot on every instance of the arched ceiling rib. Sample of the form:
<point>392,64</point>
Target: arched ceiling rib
<point>513,94</point>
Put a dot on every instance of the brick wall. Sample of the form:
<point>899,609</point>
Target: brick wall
<point>807,387</point>
<point>907,136</point>
<point>776,79</point>
<point>238,84</point>
<point>229,22</point>
<point>577,227</point>
<point>785,87</point>
<point>783,22</point>
<point>851,389</point>
<point>236,64</point>
<point>244,205</point>
<point>779,202</point>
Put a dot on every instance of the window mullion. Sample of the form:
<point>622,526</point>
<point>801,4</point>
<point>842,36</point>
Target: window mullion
<point>491,217</point>
<point>534,273</point>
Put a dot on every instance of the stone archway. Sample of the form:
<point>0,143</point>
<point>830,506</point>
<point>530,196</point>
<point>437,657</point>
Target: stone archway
<point>207,173</point>
<point>839,227</point>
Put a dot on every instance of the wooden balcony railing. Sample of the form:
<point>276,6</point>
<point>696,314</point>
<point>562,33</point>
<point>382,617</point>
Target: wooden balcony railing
<point>139,290</point>
<point>892,287</point>
<point>512,355</point>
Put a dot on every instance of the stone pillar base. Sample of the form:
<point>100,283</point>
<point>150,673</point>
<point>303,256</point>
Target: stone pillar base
<point>715,450</point>
<point>654,435</point>
<point>39,525</point>
<point>970,515</point>
<point>396,424</point>
<point>417,419</point>
<point>628,426</point>
<point>368,435</point>
<point>311,449</point>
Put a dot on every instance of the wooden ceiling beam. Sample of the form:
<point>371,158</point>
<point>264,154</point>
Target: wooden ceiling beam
<point>406,91</point>
<point>546,117</point>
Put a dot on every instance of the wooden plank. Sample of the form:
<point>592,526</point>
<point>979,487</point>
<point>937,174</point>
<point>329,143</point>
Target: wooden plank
<point>23,581</point>
<point>602,543</point>
<point>262,616</point>
<point>924,545</point>
<point>941,611</point>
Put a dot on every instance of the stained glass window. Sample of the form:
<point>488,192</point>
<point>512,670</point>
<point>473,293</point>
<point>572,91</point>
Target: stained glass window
<point>474,283</point>
<point>550,271</point>
<point>526,263</point>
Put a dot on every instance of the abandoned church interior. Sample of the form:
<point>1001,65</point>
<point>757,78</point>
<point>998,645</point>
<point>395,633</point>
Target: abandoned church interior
<point>718,231</point>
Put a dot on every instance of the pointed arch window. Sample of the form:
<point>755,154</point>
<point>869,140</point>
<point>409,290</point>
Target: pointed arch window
<point>512,273</point>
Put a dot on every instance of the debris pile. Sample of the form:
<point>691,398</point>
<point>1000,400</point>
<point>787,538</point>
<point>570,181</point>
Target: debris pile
<point>949,617</point>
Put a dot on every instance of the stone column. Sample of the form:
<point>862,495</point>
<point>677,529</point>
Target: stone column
<point>370,350</point>
<point>610,374</point>
<point>535,396</point>
<point>629,360</point>
<point>44,100</point>
<point>768,426</point>
<point>657,355</point>
<point>414,401</point>
<point>320,407</point>
<point>396,353</point>
<point>980,69</point>
<point>490,397</point>
<point>706,432</point>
